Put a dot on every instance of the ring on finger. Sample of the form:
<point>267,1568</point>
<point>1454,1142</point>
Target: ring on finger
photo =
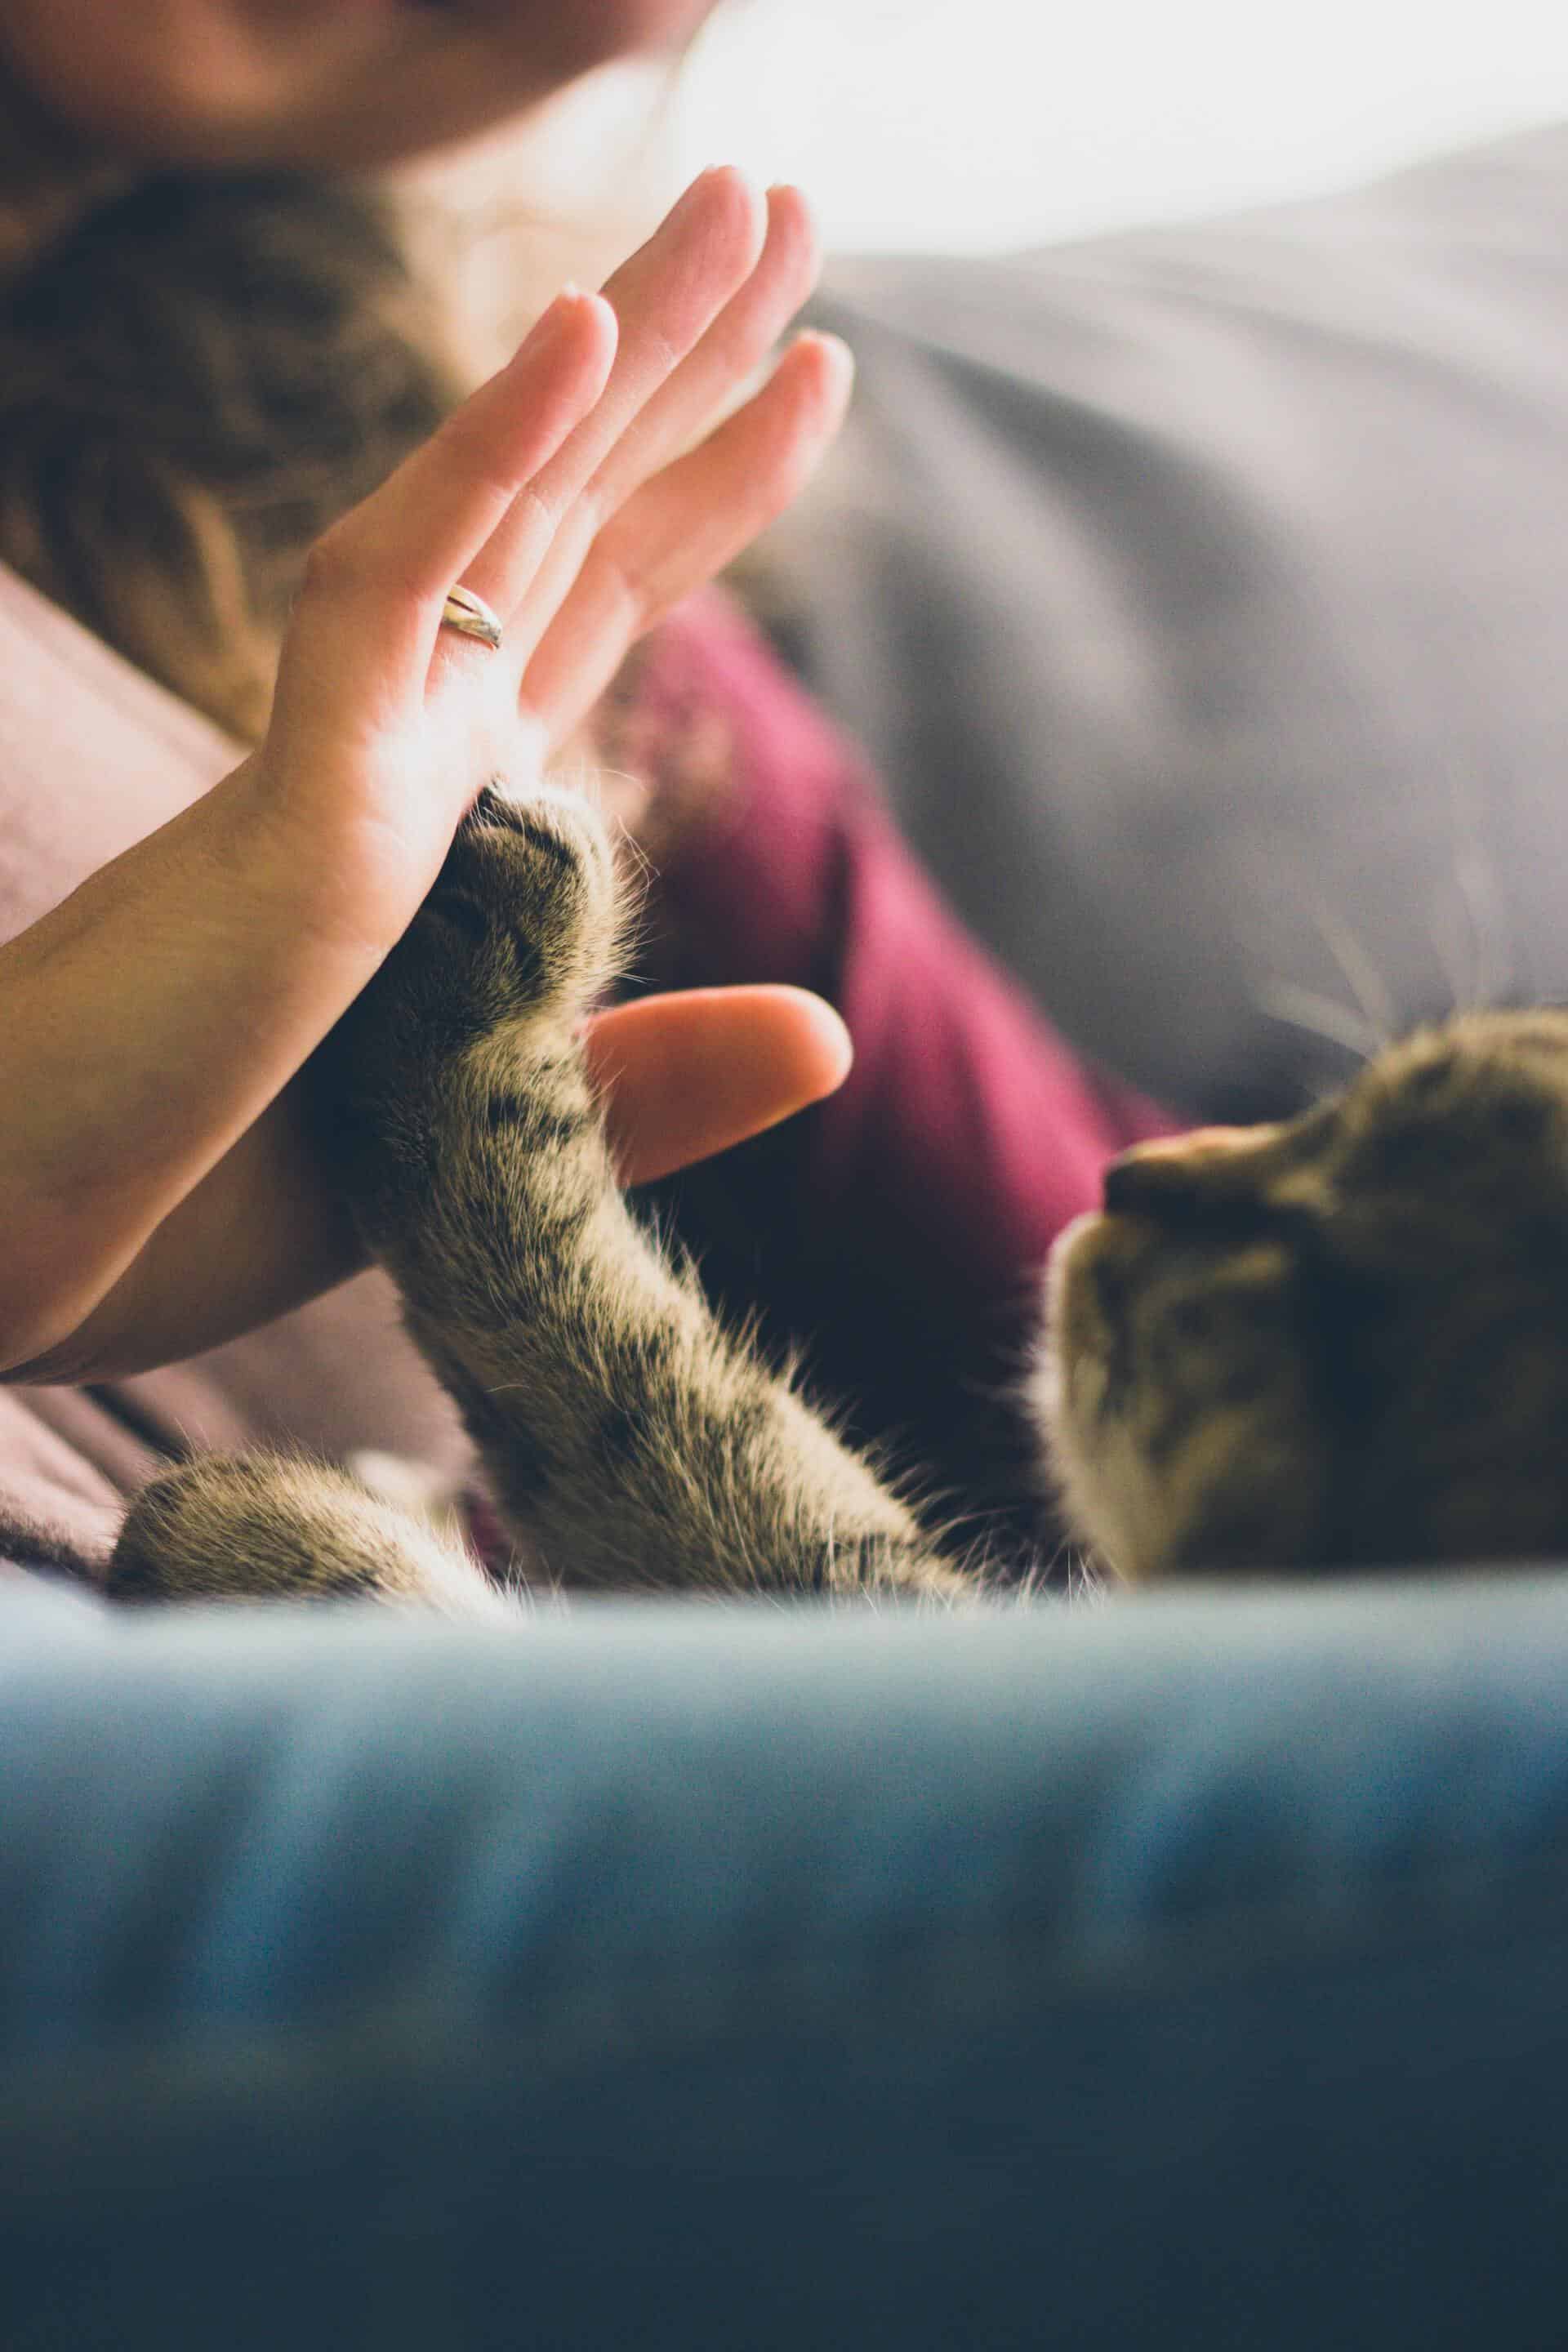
<point>472,616</point>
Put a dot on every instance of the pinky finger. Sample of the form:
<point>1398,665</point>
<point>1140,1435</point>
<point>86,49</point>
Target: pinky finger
<point>685,525</point>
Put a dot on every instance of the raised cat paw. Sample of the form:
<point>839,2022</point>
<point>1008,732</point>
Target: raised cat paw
<point>521,920</point>
<point>519,933</point>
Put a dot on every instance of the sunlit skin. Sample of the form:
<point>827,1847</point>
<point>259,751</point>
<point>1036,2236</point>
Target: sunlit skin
<point>158,1191</point>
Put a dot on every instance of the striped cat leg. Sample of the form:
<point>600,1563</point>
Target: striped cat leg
<point>261,1526</point>
<point>636,1443</point>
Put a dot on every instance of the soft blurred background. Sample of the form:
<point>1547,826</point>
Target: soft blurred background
<point>968,124</point>
<point>975,123</point>
<point>972,125</point>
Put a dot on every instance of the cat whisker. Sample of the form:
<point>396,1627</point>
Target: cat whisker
<point>1467,929</point>
<point>1489,980</point>
<point>1321,1016</point>
<point>1360,974</point>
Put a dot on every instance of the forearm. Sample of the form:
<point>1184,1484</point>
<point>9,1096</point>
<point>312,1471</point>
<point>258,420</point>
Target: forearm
<point>150,1021</point>
<point>259,1235</point>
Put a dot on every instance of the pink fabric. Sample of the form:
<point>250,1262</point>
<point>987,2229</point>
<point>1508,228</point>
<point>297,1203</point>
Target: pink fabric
<point>92,754</point>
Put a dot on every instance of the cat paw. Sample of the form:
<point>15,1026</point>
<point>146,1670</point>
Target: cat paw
<point>518,934</point>
<point>263,1527</point>
<point>522,919</point>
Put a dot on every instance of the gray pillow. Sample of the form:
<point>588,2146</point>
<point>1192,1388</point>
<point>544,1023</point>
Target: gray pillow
<point>1202,594</point>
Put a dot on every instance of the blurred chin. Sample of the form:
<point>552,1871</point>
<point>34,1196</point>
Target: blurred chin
<point>313,83</point>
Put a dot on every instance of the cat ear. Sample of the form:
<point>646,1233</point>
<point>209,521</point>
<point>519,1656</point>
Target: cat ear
<point>1280,1172</point>
<point>1205,1169</point>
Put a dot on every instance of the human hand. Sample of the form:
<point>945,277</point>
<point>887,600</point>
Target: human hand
<point>567,495</point>
<point>155,1203</point>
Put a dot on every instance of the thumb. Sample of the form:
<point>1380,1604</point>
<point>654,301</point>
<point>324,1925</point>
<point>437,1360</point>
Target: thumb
<point>688,1075</point>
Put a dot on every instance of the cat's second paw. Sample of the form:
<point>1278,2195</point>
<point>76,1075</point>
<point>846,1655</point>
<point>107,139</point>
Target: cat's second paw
<point>263,1528</point>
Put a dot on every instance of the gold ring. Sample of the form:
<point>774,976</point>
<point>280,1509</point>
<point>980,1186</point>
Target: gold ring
<point>471,615</point>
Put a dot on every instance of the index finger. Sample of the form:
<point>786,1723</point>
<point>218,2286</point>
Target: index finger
<point>376,582</point>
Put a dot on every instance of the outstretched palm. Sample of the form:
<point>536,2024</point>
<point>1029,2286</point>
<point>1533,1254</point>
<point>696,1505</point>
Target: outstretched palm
<point>567,494</point>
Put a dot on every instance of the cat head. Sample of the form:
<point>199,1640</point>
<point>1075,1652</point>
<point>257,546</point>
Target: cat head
<point>1338,1342</point>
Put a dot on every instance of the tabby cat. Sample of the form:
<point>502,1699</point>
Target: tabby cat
<point>1330,1344</point>
<point>1337,1343</point>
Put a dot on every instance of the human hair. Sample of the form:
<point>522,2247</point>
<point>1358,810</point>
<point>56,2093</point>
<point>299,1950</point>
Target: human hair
<point>197,373</point>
